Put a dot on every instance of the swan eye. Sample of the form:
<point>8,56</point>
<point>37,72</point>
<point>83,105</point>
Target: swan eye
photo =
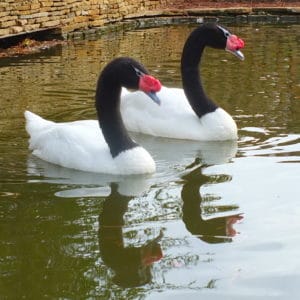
<point>226,32</point>
<point>138,72</point>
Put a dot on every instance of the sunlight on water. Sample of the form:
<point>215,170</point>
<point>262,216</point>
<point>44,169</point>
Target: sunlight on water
<point>217,219</point>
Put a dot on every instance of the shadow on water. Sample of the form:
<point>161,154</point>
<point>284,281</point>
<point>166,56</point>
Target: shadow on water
<point>35,57</point>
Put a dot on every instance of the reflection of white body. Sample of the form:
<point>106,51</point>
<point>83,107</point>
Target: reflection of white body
<point>171,156</point>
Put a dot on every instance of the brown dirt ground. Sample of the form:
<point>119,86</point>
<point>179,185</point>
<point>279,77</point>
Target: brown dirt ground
<point>182,4</point>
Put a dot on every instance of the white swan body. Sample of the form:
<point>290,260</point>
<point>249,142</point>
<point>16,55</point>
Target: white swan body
<point>186,113</point>
<point>86,146</point>
<point>80,145</point>
<point>175,118</point>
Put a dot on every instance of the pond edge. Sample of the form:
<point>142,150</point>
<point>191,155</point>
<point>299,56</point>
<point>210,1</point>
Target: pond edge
<point>151,19</point>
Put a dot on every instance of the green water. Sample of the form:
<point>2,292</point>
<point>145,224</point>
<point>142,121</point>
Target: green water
<point>216,221</point>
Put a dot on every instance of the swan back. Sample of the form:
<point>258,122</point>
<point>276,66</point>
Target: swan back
<point>175,118</point>
<point>80,145</point>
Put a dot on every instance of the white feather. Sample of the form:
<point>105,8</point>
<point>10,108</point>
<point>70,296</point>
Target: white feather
<point>174,118</point>
<point>80,145</point>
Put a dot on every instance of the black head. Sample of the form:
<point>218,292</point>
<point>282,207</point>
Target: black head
<point>233,43</point>
<point>213,36</point>
<point>129,73</point>
<point>218,37</point>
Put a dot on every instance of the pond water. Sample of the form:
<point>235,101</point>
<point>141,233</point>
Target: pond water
<point>217,220</point>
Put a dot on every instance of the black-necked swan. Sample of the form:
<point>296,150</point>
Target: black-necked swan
<point>82,145</point>
<point>188,113</point>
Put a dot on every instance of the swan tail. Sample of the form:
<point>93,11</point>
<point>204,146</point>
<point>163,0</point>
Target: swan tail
<point>34,123</point>
<point>35,126</point>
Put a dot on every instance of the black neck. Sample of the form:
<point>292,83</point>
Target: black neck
<point>110,120</point>
<point>212,230</point>
<point>190,61</point>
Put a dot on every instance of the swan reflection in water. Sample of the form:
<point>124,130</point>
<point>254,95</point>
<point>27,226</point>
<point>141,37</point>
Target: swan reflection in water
<point>131,265</point>
<point>213,230</point>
